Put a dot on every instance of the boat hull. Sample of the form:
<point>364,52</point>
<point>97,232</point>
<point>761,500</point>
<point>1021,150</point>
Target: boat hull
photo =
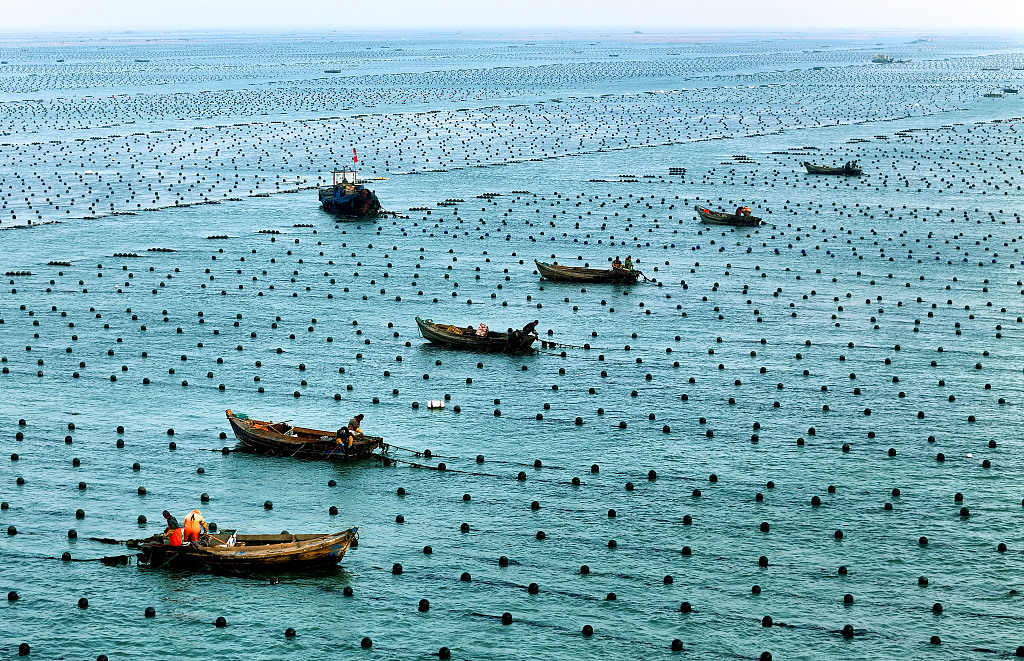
<point>462,338</point>
<point>560,273</point>
<point>717,218</point>
<point>824,169</point>
<point>266,439</point>
<point>251,552</point>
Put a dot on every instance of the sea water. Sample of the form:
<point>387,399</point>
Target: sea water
<point>833,353</point>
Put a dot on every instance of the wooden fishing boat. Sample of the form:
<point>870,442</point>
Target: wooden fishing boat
<point>719,218</point>
<point>466,338</point>
<point>583,274</point>
<point>249,552</point>
<point>347,198</point>
<point>852,171</point>
<point>282,439</point>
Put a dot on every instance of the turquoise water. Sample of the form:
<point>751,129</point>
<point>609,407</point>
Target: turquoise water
<point>921,253</point>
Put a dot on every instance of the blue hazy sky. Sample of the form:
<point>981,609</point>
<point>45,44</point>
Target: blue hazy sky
<point>661,15</point>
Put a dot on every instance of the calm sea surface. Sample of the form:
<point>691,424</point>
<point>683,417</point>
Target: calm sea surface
<point>870,327</point>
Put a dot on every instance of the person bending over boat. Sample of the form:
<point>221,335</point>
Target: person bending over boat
<point>194,522</point>
<point>628,265</point>
<point>530,328</point>
<point>743,211</point>
<point>173,531</point>
<point>354,425</point>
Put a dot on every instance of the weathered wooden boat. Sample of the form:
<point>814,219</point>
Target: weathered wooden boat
<point>249,552</point>
<point>719,218</point>
<point>582,274</point>
<point>282,439</point>
<point>347,198</point>
<point>847,170</point>
<point>466,338</point>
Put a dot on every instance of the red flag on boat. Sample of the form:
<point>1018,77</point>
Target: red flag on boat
<point>355,159</point>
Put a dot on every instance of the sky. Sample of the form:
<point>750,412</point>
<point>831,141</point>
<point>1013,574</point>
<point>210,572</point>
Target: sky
<point>617,15</point>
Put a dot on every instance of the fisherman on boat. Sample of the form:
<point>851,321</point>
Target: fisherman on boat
<point>628,265</point>
<point>173,531</point>
<point>347,435</point>
<point>530,328</point>
<point>743,211</point>
<point>194,522</point>
<point>616,263</point>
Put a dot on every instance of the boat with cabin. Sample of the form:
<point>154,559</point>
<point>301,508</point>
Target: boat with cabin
<point>347,197</point>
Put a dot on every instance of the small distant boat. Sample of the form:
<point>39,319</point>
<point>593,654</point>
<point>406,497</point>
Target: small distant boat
<point>1011,90</point>
<point>849,171</point>
<point>582,274</point>
<point>281,439</point>
<point>347,198</point>
<point>719,218</point>
<point>248,552</point>
<point>882,58</point>
<point>458,337</point>
<point>993,95</point>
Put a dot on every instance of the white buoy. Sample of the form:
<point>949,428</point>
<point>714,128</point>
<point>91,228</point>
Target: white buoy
<point>435,404</point>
